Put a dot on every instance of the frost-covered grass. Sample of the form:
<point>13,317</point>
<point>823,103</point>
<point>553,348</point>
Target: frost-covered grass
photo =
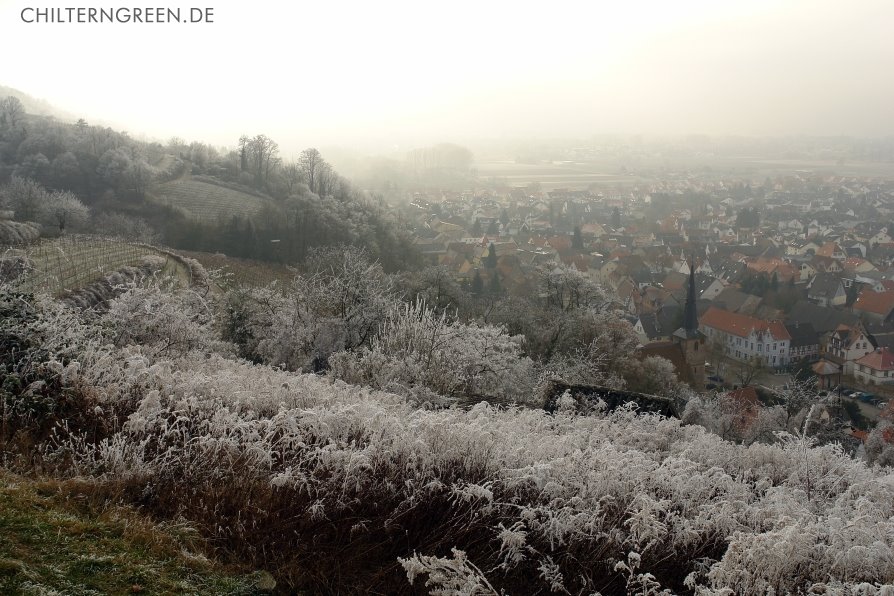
<point>338,488</point>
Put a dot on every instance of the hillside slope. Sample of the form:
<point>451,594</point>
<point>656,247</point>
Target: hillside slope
<point>33,105</point>
<point>206,201</point>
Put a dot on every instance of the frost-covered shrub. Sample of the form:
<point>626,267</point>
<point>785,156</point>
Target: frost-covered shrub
<point>13,266</point>
<point>166,320</point>
<point>418,348</point>
<point>198,275</point>
<point>44,348</point>
<point>16,233</point>
<point>656,376</point>
<point>337,304</point>
<point>880,444</point>
<point>335,487</point>
<point>609,360</point>
<point>264,459</point>
<point>448,577</point>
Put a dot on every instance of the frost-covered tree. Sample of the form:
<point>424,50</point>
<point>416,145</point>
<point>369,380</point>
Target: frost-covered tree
<point>567,288</point>
<point>337,303</point>
<point>880,444</point>
<point>114,166</point>
<point>310,163</point>
<point>26,197</point>
<point>433,285</point>
<point>165,319</point>
<point>12,115</point>
<point>64,209</point>
<point>657,376</point>
<point>421,353</point>
<point>36,166</point>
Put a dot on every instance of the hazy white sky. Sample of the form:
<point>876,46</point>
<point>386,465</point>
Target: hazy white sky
<point>397,72</point>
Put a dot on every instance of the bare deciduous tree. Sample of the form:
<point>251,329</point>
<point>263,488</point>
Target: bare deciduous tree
<point>310,161</point>
<point>746,370</point>
<point>12,114</point>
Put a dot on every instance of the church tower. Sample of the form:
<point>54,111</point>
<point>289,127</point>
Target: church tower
<point>689,338</point>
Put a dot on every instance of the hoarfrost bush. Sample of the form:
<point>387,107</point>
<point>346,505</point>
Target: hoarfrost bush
<point>13,266</point>
<point>456,576</point>
<point>570,492</point>
<point>166,320</point>
<point>337,304</point>
<point>326,481</point>
<point>417,347</point>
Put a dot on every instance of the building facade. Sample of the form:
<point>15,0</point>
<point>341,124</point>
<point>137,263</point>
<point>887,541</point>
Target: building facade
<point>747,338</point>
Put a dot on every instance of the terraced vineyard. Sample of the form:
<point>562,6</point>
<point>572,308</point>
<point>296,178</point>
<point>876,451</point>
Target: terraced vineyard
<point>207,202</point>
<point>71,262</point>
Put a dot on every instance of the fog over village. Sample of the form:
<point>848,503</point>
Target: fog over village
<point>478,298</point>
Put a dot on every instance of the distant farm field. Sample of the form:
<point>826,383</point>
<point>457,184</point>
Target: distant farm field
<point>621,172</point>
<point>575,175</point>
<point>208,202</point>
<point>72,262</point>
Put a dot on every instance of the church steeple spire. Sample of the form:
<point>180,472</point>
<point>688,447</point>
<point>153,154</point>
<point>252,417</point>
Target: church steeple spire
<point>690,318</point>
<point>689,338</point>
<point>689,330</point>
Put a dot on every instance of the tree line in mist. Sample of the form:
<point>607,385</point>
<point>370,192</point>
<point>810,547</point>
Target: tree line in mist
<point>113,175</point>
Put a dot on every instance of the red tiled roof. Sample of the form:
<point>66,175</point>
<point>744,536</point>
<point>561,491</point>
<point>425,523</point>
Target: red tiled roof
<point>741,325</point>
<point>578,260</point>
<point>862,435</point>
<point>560,242</point>
<point>618,253</point>
<point>747,396</point>
<point>880,303</point>
<point>880,359</point>
<point>824,367</point>
<point>827,249</point>
<point>783,270</point>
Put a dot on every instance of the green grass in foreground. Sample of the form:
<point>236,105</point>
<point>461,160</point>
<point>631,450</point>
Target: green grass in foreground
<point>51,543</point>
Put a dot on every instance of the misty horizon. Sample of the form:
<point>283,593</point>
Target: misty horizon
<point>396,75</point>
